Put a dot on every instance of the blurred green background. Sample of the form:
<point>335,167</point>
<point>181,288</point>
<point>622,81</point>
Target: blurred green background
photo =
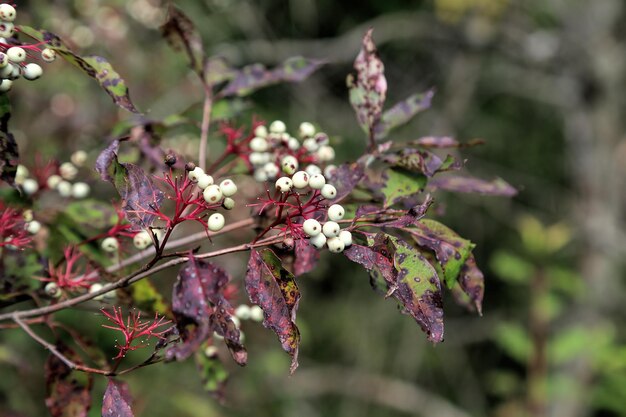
<point>541,81</point>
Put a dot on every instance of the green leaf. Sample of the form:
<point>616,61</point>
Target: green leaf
<point>402,112</point>
<point>400,183</point>
<point>181,33</point>
<point>213,373</point>
<point>147,298</point>
<point>96,67</point>
<point>514,340</point>
<point>91,213</point>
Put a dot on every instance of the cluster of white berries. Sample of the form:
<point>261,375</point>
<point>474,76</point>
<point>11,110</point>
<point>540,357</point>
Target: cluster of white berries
<point>330,233</point>
<point>12,58</point>
<point>32,226</point>
<point>62,182</point>
<point>141,240</point>
<point>301,179</point>
<point>272,151</point>
<point>214,194</point>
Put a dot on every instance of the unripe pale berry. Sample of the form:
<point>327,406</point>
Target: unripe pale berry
<point>228,203</point>
<point>7,29</point>
<point>256,158</point>
<point>236,321</point>
<point>312,227</point>
<point>52,290</point>
<point>313,169</point>
<point>306,129</point>
<point>4,60</point>
<point>30,186</point>
<point>142,240</point>
<point>317,181</point>
<point>110,244</point>
<point>260,131</point>
<point>335,245</point>
<point>310,145</point>
<point>211,351</point>
<point>346,238</point>
<point>204,181</point>
<point>68,171</point>
<point>48,55</point>
<point>326,153</point>
<point>16,54</point>
<point>329,192</point>
<point>15,72</point>
<point>293,144</point>
<point>195,174</point>
<point>318,241</point>
<point>33,227</point>
<point>216,222</point>
<point>7,12</point>
<point>284,184</point>
<point>212,194</point>
<point>289,164</point>
<point>243,312</point>
<point>256,313</point>
<point>31,72</point>
<point>53,181</point>
<point>79,158</point>
<point>7,70</point>
<point>271,169</point>
<point>228,187</point>
<point>28,215</point>
<point>278,126</point>
<point>330,170</point>
<point>80,190</point>
<point>336,212</point>
<point>300,179</point>
<point>159,234</point>
<point>64,188</point>
<point>5,85</point>
<point>95,288</point>
<point>331,229</point>
<point>322,139</point>
<point>258,144</point>
<point>21,174</point>
<point>260,175</point>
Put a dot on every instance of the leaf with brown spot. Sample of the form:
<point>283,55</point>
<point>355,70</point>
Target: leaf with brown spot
<point>95,67</point>
<point>497,187</point>
<point>9,154</point>
<point>412,216</point>
<point>402,112</point>
<point>368,89</point>
<point>117,400</point>
<point>68,391</point>
<point>181,33</point>
<point>444,142</point>
<point>400,184</point>
<point>345,178</point>
<point>200,308</point>
<point>472,282</point>
<point>274,289</point>
<point>306,257</point>
<point>421,161</point>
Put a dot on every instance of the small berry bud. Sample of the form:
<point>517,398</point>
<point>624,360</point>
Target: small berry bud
<point>48,55</point>
<point>16,54</point>
<point>5,85</point>
<point>204,181</point>
<point>28,215</point>
<point>313,169</point>
<point>33,227</point>
<point>212,194</point>
<point>68,171</point>
<point>329,192</point>
<point>190,166</point>
<point>336,212</point>
<point>300,179</point>
<point>346,238</point>
<point>284,184</point>
<point>228,187</point>
<point>110,244</point>
<point>317,181</point>
<point>53,181</point>
<point>64,188</point>
<point>256,313</point>
<point>79,158</point>
<point>310,145</point>
<point>260,131</point>
<point>312,227</point>
<point>293,144</point>
<point>142,240</point>
<point>52,290</point>
<point>306,130</point>
<point>322,139</point>
<point>330,170</point>
<point>216,222</point>
<point>260,175</point>
<point>335,245</point>
<point>31,72</point>
<point>289,164</point>
<point>211,351</point>
<point>80,190</point>
<point>228,203</point>
<point>21,174</point>
<point>331,229</point>
<point>7,12</point>
<point>243,312</point>
<point>318,241</point>
<point>97,287</point>
<point>195,174</point>
<point>258,144</point>
<point>326,153</point>
<point>30,186</point>
<point>170,159</point>
<point>271,169</point>
<point>278,126</point>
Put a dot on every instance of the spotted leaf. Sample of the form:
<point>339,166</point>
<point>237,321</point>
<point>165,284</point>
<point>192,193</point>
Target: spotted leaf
<point>472,282</point>
<point>96,67</point>
<point>306,257</point>
<point>421,161</point>
<point>117,400</point>
<point>399,184</point>
<point>181,33</point>
<point>459,184</point>
<point>444,142</point>
<point>402,112</point>
<point>274,289</point>
<point>345,178</point>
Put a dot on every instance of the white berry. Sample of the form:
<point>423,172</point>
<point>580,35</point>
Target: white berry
<point>284,184</point>
<point>212,194</point>
<point>330,170</point>
<point>278,126</point>
<point>195,174</point>
<point>228,203</point>
<point>204,181</point>
<point>260,175</point>
<point>256,313</point>
<point>289,164</point>
<point>260,131</point>
<point>293,144</point>
<point>306,129</point>
<point>7,12</point>
<point>31,72</point>
<point>142,240</point>
<point>33,227</point>
<point>271,169</point>
<point>300,179</point>
<point>216,222</point>
<point>68,171</point>
<point>256,158</point>
<point>53,290</point>
<point>242,312</point>
<point>16,54</point>
<point>53,181</point>
<point>313,169</point>
<point>110,244</point>
<point>30,186</point>
<point>228,187</point>
<point>346,238</point>
<point>317,181</point>
<point>322,139</point>
<point>64,188</point>
<point>79,158</point>
<point>80,190</point>
<point>5,86</point>
<point>335,245</point>
<point>329,192</point>
<point>336,212</point>
<point>310,145</point>
<point>331,229</point>
<point>258,144</point>
<point>312,227</point>
<point>318,241</point>
<point>4,60</point>
<point>7,29</point>
<point>326,153</point>
<point>48,55</point>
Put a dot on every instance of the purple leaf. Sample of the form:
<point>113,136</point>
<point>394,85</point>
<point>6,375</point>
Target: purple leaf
<point>422,162</point>
<point>345,178</point>
<point>414,214</point>
<point>306,257</point>
<point>198,300</point>
<point>497,187</point>
<point>253,77</point>
<point>402,112</point>
<point>444,142</point>
<point>368,89</point>
<point>117,400</point>
<point>473,282</point>
<point>181,33</point>
<point>9,154</point>
<point>68,392</point>
<point>274,289</point>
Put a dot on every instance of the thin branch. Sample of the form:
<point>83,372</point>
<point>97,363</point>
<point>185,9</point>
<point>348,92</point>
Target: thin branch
<point>203,153</point>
